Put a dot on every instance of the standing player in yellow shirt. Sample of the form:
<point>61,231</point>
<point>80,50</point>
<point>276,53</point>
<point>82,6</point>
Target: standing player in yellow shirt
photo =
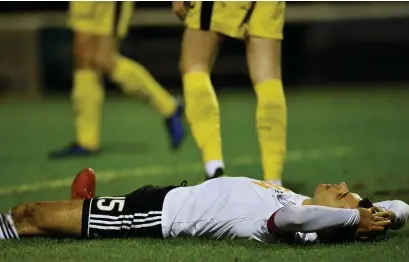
<point>260,25</point>
<point>98,28</point>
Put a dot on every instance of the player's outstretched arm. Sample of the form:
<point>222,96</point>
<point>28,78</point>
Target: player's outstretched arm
<point>395,210</point>
<point>305,219</point>
<point>61,218</point>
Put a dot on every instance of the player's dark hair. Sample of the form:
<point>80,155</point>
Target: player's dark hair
<point>365,203</point>
<point>344,234</point>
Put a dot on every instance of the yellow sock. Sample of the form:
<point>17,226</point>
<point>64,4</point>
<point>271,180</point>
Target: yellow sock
<point>134,78</point>
<point>271,118</point>
<point>87,96</point>
<point>202,113</point>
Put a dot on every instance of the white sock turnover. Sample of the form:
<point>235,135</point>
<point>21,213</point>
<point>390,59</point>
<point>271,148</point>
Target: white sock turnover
<point>7,228</point>
<point>212,166</point>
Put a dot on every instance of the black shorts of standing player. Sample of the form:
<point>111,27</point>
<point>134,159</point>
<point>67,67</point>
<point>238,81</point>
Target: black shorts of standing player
<point>137,215</point>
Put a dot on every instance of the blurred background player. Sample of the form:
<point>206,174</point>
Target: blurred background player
<point>98,27</point>
<point>260,24</point>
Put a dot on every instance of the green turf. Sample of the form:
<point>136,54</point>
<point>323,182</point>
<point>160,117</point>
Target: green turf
<point>360,137</point>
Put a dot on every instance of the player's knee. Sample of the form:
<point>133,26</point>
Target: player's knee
<point>264,59</point>
<point>105,53</point>
<point>104,62</point>
<point>184,68</point>
<point>84,50</point>
<point>198,67</point>
<point>83,59</point>
<point>27,214</point>
<point>264,72</point>
<point>265,75</point>
<point>199,49</point>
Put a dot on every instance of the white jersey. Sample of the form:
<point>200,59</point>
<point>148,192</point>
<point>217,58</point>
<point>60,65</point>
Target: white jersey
<point>232,207</point>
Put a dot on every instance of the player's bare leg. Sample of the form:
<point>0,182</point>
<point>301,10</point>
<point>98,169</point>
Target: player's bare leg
<point>264,58</point>
<point>61,218</point>
<point>199,49</point>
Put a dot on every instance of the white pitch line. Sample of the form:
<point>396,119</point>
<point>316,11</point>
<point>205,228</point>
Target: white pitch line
<point>189,168</point>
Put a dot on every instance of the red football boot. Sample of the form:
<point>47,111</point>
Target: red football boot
<point>83,186</point>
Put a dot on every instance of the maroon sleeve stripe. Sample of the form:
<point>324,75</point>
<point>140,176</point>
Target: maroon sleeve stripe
<point>271,226</point>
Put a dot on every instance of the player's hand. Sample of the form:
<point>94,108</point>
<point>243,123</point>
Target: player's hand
<point>370,222</point>
<point>386,214</point>
<point>179,9</point>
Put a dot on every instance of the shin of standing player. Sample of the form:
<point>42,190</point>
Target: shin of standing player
<point>260,24</point>
<point>98,28</point>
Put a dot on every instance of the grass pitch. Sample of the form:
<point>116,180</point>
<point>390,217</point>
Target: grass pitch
<point>358,137</point>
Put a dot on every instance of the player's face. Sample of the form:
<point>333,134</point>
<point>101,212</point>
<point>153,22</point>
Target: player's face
<point>335,195</point>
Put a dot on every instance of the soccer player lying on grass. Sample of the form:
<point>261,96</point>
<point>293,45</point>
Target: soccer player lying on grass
<point>225,207</point>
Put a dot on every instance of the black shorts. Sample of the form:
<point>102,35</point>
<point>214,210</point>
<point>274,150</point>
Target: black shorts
<point>138,214</point>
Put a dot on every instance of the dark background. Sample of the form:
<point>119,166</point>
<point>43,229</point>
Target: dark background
<point>363,51</point>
